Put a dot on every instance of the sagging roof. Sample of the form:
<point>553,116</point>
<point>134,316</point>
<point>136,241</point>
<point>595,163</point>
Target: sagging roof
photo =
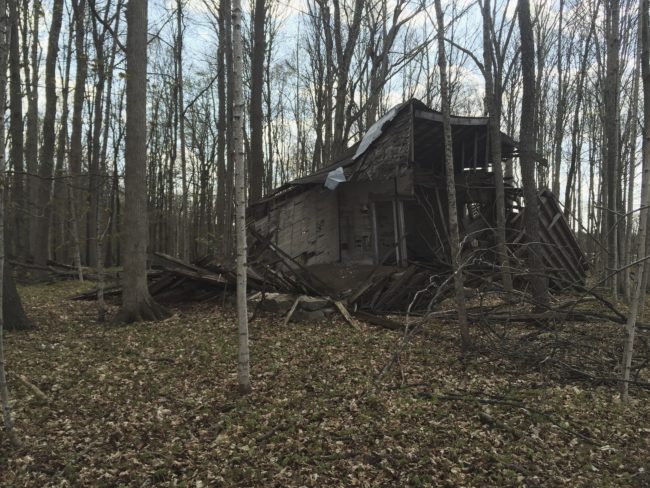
<point>353,160</point>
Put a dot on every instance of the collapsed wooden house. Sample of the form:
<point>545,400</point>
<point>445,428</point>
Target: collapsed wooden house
<point>373,227</point>
<point>369,232</point>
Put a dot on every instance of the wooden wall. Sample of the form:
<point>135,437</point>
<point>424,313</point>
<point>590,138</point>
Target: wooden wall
<point>305,226</point>
<point>356,218</point>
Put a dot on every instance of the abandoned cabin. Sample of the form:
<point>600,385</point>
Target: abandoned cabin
<point>373,225</point>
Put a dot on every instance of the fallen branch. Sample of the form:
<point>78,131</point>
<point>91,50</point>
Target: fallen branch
<point>35,389</point>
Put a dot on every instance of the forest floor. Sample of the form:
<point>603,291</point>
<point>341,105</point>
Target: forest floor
<point>155,404</point>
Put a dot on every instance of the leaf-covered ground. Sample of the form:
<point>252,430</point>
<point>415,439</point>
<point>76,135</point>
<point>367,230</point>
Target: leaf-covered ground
<point>155,404</point>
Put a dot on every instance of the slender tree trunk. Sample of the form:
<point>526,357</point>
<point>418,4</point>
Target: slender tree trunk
<point>256,172</point>
<point>18,216</point>
<point>559,109</point>
<point>493,98</point>
<point>137,303</point>
<point>639,293</point>
<point>230,87</point>
<point>344,52</point>
<point>46,167</point>
<point>455,249</point>
<point>103,162</point>
<point>95,181</point>
<point>185,228</point>
<point>4,390</point>
<point>75,155</point>
<point>31,136</point>
<point>612,118</point>
<point>221,134</point>
<point>60,194</point>
<point>243,370</point>
<point>629,228</point>
<point>576,125</point>
<point>527,158</point>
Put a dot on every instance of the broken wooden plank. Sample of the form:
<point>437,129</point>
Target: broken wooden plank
<point>293,309</point>
<point>346,315</point>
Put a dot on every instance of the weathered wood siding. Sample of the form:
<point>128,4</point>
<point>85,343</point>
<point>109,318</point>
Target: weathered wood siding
<point>356,218</point>
<point>305,226</point>
<point>388,157</point>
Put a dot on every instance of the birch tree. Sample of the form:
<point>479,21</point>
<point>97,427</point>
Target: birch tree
<point>243,370</point>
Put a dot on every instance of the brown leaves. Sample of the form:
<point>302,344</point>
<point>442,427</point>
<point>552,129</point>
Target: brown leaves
<point>156,404</point>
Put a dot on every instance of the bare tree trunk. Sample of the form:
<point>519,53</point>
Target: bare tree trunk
<point>243,370</point>
<point>575,136</point>
<point>46,167</point>
<point>185,231</point>
<point>452,204</point>
<point>95,179</point>
<point>19,217</point>
<point>74,230</point>
<point>493,98</point>
<point>75,154</point>
<point>221,132</point>
<point>344,52</point>
<point>256,172</point>
<point>4,390</point>
<point>612,114</point>
<point>527,158</point>
<point>629,228</point>
<point>639,292</point>
<point>455,249</point>
<point>559,109</point>
<point>230,87</point>
<point>137,303</point>
<point>31,136</point>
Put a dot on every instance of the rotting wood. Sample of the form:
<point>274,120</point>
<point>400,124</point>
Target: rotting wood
<point>346,315</point>
<point>292,309</point>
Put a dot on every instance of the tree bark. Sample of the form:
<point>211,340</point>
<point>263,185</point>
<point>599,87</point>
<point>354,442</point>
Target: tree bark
<point>221,132</point>
<point>76,153</point>
<point>612,122</point>
<point>14,314</point>
<point>46,167</point>
<point>18,238</point>
<point>256,172</point>
<point>493,92</point>
<point>230,87</point>
<point>185,230</point>
<point>455,249</point>
<point>527,158</point>
<point>31,135</point>
<point>559,109</point>
<point>4,390</point>
<point>344,52</point>
<point>137,303</point>
<point>243,370</point>
<point>639,290</point>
